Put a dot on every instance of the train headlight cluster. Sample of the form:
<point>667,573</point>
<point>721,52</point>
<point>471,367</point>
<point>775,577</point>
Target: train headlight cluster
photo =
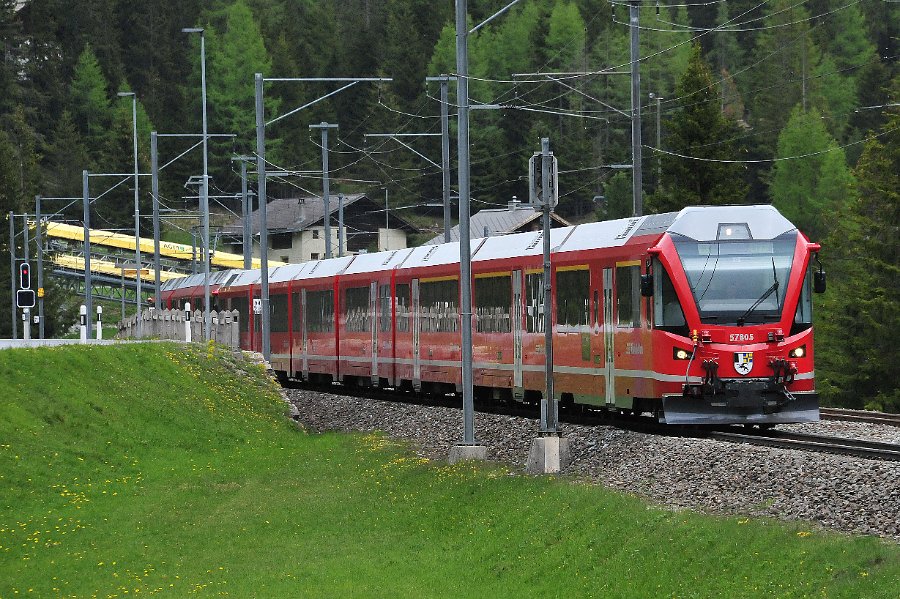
<point>681,354</point>
<point>797,352</point>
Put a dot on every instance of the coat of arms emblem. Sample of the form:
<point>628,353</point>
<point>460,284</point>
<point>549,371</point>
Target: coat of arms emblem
<point>743,362</point>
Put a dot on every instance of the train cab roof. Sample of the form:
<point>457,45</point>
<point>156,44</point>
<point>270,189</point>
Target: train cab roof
<point>712,223</point>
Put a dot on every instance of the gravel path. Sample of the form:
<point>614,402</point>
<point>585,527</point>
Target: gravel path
<point>842,493</point>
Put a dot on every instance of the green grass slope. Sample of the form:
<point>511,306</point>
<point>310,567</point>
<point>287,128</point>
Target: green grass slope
<point>157,470</point>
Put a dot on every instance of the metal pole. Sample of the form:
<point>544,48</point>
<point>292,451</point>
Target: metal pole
<point>325,199</point>
<point>193,250</point>
<point>154,191</point>
<point>634,9</point>
<point>204,196</point>
<point>40,258</point>
<point>387,219</point>
<point>263,219</point>
<point>26,316</point>
<point>88,304</point>
<point>137,213</point>
<point>341,225</point>
<point>465,250</point>
<point>245,218</point>
<point>549,415</point>
<point>445,155</point>
<point>12,273</point>
<point>123,294</point>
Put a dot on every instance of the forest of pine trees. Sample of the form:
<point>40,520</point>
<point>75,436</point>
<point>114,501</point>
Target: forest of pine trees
<point>783,102</point>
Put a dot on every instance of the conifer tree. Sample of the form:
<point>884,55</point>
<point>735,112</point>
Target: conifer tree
<point>89,100</point>
<point>858,322</point>
<point>700,139</point>
<point>810,189</point>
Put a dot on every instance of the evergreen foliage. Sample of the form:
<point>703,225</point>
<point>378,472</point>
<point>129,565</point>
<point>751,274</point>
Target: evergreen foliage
<point>702,133</point>
<point>817,183</point>
<point>858,320</point>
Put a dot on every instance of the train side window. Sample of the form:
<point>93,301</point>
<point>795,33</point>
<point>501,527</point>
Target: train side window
<point>493,299</point>
<point>668,314</point>
<point>240,304</point>
<point>803,315</point>
<point>628,296</point>
<point>573,297</point>
<point>320,311</point>
<point>439,311</point>
<point>296,313</point>
<point>356,310</point>
<point>534,307</point>
<point>384,308</point>
<point>402,308</point>
<point>278,313</point>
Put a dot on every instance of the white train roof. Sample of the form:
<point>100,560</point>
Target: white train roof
<point>701,223</point>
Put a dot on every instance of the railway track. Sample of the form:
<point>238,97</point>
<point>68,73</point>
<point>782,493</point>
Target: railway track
<point>821,444</point>
<point>859,416</point>
<point>769,437</point>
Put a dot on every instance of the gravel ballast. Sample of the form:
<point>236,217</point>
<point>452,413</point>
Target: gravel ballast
<point>837,492</point>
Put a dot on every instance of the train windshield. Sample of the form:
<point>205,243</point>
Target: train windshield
<point>739,281</point>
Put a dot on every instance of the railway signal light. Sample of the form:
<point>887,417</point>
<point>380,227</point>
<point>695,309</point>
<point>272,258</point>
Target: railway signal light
<point>24,276</point>
<point>25,298</point>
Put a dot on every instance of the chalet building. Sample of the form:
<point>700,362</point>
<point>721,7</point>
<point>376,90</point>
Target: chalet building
<point>296,228</point>
<point>515,218</point>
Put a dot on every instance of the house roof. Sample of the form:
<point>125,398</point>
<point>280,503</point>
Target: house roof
<point>289,215</point>
<point>500,221</point>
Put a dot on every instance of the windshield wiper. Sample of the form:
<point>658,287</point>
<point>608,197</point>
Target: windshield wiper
<point>773,288</point>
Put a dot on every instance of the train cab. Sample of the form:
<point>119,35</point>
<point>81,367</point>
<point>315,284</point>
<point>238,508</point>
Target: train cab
<point>731,298</point>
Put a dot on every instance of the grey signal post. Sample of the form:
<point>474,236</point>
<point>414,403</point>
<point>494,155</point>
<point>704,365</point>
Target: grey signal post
<point>204,189</point>
<point>549,413</point>
<point>325,183</point>
<point>12,272</point>
<point>86,196</point>
<point>445,149</point>
<point>39,232</point>
<point>137,210</point>
<point>636,181</point>
<point>468,448</point>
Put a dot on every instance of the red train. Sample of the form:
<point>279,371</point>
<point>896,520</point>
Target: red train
<point>699,316</point>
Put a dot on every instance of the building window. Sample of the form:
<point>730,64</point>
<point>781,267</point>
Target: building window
<point>315,233</point>
<point>314,256</point>
<point>282,241</point>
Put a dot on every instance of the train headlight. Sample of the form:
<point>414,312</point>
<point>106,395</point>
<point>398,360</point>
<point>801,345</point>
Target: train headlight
<point>797,352</point>
<point>681,354</point>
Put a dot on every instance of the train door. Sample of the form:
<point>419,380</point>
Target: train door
<point>518,390</point>
<point>304,337</point>
<point>417,372</point>
<point>608,345</point>
<point>598,385</point>
<point>373,320</point>
<point>257,321</point>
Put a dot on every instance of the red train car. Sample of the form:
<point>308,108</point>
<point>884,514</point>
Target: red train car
<point>700,316</point>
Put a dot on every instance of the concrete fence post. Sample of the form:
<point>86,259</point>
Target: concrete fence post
<point>83,312</point>
<point>187,322</point>
<point>99,323</point>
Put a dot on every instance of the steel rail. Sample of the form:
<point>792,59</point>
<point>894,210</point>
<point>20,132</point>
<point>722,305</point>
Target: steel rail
<point>817,443</point>
<point>860,416</point>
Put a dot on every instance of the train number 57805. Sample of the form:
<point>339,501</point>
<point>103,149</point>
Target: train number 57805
<point>741,337</point>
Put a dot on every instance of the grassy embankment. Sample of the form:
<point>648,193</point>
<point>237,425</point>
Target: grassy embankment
<point>146,469</point>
